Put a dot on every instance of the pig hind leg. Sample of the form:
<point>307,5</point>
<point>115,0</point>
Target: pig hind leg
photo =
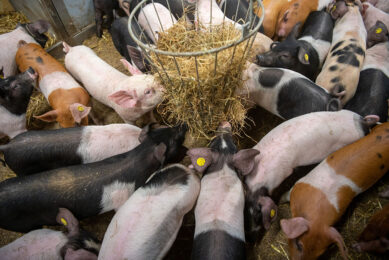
<point>99,22</point>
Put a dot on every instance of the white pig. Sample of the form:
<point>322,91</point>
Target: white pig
<point>300,141</point>
<point>32,32</point>
<point>203,14</point>
<point>146,225</point>
<point>155,18</point>
<point>129,96</point>
<point>372,14</point>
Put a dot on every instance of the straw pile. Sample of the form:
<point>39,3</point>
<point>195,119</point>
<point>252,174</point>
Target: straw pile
<point>201,96</point>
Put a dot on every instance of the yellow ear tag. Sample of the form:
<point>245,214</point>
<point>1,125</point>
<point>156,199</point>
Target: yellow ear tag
<point>80,108</point>
<point>200,161</point>
<point>64,222</point>
<point>1,76</point>
<point>378,30</point>
<point>272,213</point>
<point>306,57</point>
<point>333,8</point>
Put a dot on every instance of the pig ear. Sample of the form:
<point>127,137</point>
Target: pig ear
<point>243,161</point>
<point>334,105</point>
<point>38,27</point>
<point>160,151</point>
<point>50,116</point>
<point>268,211</point>
<point>371,120</point>
<point>201,158</point>
<point>79,254</point>
<point>66,47</point>
<point>137,58</point>
<point>79,111</point>
<point>303,56</point>
<point>294,227</point>
<point>335,237</point>
<point>66,218</point>
<point>133,70</point>
<point>124,98</point>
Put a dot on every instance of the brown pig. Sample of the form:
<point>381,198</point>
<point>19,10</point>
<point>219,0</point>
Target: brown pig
<point>67,98</point>
<point>318,200</point>
<point>375,236</point>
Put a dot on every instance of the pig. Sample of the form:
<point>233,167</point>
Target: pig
<point>318,200</point>
<point>273,8</point>
<point>307,54</point>
<point>204,9</point>
<point>345,60</point>
<point>380,4</point>
<point>15,93</point>
<point>37,151</point>
<point>31,32</point>
<point>297,11</point>
<point>376,34</point>
<point>67,98</point>
<point>178,8</point>
<point>285,93</point>
<point>238,10</point>
<point>300,141</point>
<point>219,230</point>
<point>50,244</point>
<point>375,237</point>
<point>160,203</point>
<point>126,46</point>
<point>155,18</point>
<point>87,190</point>
<point>104,7</point>
<point>372,14</point>
<point>131,97</point>
<point>372,92</point>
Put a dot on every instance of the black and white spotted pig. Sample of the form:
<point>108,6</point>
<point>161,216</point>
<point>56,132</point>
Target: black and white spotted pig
<point>372,93</point>
<point>219,232</point>
<point>344,62</point>
<point>306,54</point>
<point>54,245</point>
<point>146,226</point>
<point>15,92</point>
<point>37,151</point>
<point>29,202</point>
<point>286,93</point>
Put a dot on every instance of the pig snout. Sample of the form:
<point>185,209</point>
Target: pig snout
<point>370,120</point>
<point>225,126</point>
<point>264,60</point>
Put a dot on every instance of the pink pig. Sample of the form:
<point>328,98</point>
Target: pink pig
<point>129,96</point>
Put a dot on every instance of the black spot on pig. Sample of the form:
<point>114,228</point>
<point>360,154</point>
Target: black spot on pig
<point>353,40</point>
<point>334,67</point>
<point>349,59</point>
<point>332,157</point>
<point>217,244</point>
<point>379,155</point>
<point>39,60</point>
<point>224,144</point>
<point>347,55</point>
<point>301,96</point>
<point>382,166</point>
<point>171,176</point>
<point>336,46</point>
<point>270,77</point>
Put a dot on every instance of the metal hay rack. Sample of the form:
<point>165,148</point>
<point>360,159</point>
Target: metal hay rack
<point>199,83</point>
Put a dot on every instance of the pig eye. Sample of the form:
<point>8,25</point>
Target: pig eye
<point>149,91</point>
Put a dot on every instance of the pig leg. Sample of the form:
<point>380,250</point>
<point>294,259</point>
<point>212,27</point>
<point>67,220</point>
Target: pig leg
<point>99,22</point>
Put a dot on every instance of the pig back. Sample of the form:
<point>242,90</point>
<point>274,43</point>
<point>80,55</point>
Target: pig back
<point>33,55</point>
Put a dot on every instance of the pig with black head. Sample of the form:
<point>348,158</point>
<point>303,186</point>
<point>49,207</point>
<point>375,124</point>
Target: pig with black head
<point>377,34</point>
<point>305,54</point>
<point>15,92</point>
<point>90,189</point>
<point>219,232</point>
<point>49,244</point>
